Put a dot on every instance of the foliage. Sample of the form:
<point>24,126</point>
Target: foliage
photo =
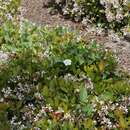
<point>9,10</point>
<point>109,14</point>
<point>55,80</point>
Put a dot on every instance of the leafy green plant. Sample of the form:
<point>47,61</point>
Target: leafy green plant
<point>109,14</point>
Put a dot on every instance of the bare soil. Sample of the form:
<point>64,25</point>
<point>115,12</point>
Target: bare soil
<point>37,13</point>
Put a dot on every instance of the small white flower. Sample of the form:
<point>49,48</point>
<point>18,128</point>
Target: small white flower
<point>67,62</point>
<point>3,56</point>
<point>36,128</point>
<point>67,116</point>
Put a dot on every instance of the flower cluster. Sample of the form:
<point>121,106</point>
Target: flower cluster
<point>114,10</point>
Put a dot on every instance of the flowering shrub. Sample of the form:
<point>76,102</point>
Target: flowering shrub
<point>110,13</point>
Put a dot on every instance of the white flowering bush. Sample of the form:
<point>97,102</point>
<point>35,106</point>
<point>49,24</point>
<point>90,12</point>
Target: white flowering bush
<point>110,13</point>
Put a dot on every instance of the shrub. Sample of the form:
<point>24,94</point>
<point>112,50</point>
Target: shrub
<point>112,14</point>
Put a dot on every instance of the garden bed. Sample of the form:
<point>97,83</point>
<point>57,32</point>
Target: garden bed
<point>55,78</point>
<point>37,13</point>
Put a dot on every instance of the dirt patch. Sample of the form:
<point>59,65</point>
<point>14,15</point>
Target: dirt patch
<point>37,13</point>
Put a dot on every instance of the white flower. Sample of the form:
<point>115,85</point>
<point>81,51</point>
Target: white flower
<point>67,62</point>
<point>58,1</point>
<point>9,16</point>
<point>70,77</point>
<point>67,116</point>
<point>109,15</point>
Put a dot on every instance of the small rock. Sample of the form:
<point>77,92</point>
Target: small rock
<point>127,37</point>
<point>47,3</point>
<point>53,11</point>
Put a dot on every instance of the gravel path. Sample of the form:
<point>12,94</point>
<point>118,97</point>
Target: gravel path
<point>38,14</point>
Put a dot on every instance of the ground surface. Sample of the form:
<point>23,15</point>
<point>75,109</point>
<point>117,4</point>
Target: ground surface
<point>38,14</point>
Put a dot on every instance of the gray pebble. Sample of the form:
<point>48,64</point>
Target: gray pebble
<point>127,37</point>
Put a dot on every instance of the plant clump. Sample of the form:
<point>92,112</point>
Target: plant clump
<point>112,14</point>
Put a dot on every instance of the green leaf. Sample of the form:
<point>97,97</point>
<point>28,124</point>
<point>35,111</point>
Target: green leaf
<point>83,95</point>
<point>88,109</point>
<point>88,123</point>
